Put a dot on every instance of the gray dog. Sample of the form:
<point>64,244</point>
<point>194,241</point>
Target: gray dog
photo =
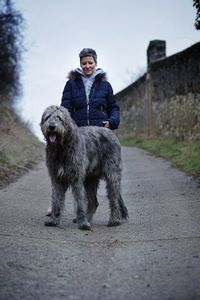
<point>79,158</point>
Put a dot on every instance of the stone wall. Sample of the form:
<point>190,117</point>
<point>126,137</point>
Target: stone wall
<point>166,100</point>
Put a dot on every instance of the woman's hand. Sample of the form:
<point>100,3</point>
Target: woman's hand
<point>106,124</point>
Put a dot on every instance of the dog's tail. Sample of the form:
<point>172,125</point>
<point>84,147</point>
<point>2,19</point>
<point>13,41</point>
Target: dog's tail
<point>123,209</point>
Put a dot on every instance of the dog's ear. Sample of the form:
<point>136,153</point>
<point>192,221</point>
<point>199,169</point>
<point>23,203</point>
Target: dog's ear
<point>70,130</point>
<point>42,120</point>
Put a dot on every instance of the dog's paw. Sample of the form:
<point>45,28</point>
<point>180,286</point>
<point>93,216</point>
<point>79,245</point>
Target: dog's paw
<point>49,212</point>
<point>113,223</point>
<point>51,223</point>
<point>84,226</point>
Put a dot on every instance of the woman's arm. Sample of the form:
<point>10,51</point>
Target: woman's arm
<point>112,109</point>
<point>66,100</point>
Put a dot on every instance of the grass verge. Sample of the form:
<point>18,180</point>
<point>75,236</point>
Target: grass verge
<point>183,154</point>
<point>20,149</point>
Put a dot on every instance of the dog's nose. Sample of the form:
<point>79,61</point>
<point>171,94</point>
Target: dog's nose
<point>52,125</point>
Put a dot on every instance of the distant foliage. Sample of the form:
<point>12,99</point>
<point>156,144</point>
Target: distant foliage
<point>11,48</point>
<point>196,4</point>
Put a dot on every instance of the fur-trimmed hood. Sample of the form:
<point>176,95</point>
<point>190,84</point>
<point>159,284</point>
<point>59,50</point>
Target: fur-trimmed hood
<point>78,73</point>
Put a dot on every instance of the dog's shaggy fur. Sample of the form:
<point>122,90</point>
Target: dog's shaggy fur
<point>79,158</point>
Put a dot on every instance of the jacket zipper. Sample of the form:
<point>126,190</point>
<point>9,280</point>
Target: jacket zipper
<point>88,109</point>
<point>88,104</point>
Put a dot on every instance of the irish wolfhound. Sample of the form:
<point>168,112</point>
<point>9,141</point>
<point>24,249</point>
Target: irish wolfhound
<point>79,158</point>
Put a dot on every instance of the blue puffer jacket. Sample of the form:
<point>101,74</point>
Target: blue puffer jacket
<point>100,107</point>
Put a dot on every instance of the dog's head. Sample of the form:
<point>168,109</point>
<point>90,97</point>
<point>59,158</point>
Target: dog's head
<point>56,124</point>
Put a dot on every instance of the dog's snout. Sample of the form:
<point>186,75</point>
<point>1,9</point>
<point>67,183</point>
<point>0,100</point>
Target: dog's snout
<point>52,125</point>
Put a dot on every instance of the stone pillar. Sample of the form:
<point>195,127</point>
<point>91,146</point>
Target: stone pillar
<point>147,104</point>
<point>156,50</point>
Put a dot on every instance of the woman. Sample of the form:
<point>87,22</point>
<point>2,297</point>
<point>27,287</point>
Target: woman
<point>88,96</point>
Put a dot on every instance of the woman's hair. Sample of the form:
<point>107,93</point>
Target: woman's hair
<point>88,52</point>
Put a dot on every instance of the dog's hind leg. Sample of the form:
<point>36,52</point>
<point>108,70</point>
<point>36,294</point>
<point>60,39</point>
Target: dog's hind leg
<point>57,203</point>
<point>123,209</point>
<point>118,209</point>
<point>113,189</point>
<point>91,186</point>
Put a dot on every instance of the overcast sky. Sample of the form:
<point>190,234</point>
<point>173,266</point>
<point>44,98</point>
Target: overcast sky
<point>119,31</point>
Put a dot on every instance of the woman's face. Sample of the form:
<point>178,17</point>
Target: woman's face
<point>88,65</point>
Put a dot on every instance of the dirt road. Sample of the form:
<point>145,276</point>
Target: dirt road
<point>155,255</point>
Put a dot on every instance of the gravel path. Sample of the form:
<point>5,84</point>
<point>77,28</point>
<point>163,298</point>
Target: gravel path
<point>155,255</point>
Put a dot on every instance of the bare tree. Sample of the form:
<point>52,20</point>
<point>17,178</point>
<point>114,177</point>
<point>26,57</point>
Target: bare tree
<point>11,48</point>
<point>196,3</point>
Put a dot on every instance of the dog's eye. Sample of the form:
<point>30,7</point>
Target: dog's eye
<point>46,118</point>
<point>59,118</point>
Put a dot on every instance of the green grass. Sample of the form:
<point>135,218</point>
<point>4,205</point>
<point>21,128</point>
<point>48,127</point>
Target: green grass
<point>183,154</point>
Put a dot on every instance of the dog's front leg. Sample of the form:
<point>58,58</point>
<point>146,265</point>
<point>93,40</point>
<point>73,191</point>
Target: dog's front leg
<point>81,204</point>
<point>57,203</point>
